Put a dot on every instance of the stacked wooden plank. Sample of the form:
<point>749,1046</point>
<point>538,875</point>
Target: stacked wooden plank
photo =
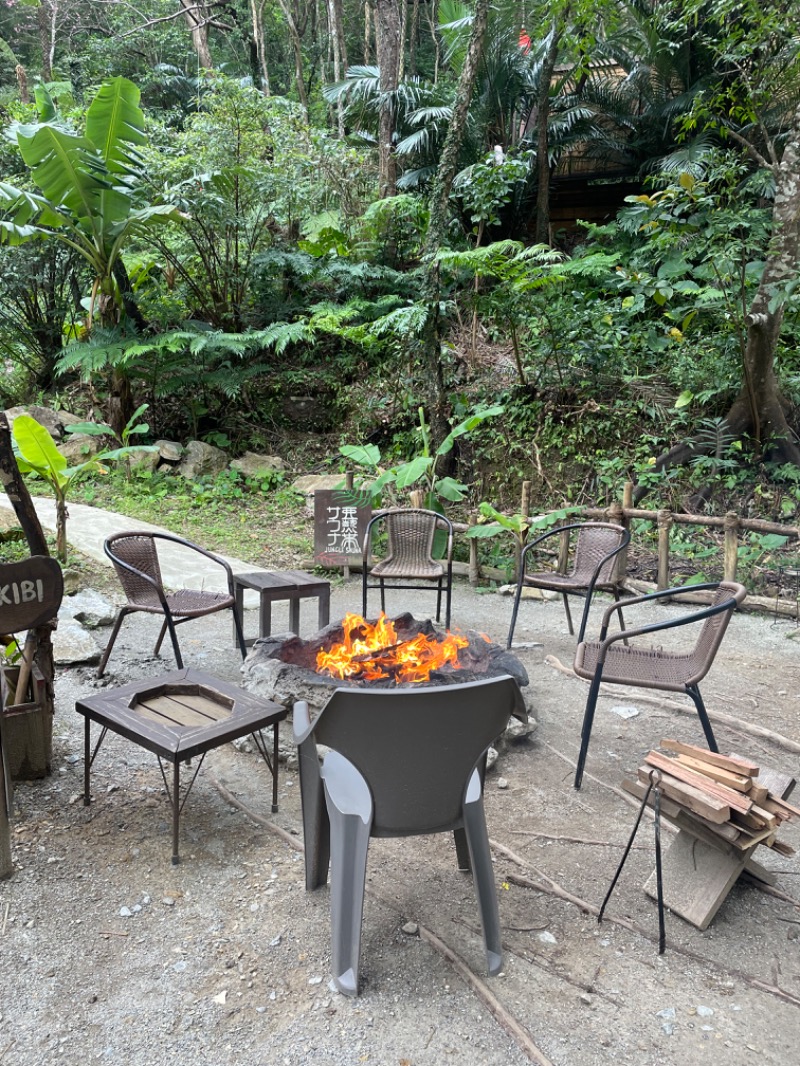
<point>725,796</point>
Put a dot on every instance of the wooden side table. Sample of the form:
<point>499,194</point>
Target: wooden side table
<point>279,585</point>
<point>179,716</point>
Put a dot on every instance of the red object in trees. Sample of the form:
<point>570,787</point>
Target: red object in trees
<point>524,41</point>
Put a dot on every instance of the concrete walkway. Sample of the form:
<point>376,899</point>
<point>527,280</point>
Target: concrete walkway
<point>88,527</point>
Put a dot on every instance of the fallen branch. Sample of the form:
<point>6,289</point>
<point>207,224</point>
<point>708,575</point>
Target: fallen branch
<point>716,716</point>
<point>229,797</point>
<point>488,998</point>
<point>574,840</point>
<point>479,987</point>
<point>552,888</point>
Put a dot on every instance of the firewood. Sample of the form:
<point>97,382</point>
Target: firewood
<point>780,807</point>
<point>781,848</point>
<point>735,800</point>
<point>738,782</point>
<point>697,801</point>
<point>756,818</point>
<point>733,763</point>
<point>675,809</point>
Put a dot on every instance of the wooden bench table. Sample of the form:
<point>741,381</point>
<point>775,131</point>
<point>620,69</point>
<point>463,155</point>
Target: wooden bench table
<point>178,716</point>
<point>276,586</point>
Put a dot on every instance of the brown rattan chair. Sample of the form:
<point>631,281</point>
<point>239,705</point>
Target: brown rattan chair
<point>590,565</point>
<point>608,660</point>
<point>410,533</point>
<point>135,559</point>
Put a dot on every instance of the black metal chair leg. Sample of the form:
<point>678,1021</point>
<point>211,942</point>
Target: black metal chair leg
<point>694,692</point>
<point>170,624</point>
<point>588,721</point>
<point>114,634</point>
<point>161,634</point>
<point>364,591</point>
<point>517,596</point>
<point>447,605</point>
<point>439,600</point>
<point>237,621</point>
<point>565,598</point>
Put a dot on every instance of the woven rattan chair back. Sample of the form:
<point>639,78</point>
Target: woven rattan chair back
<point>410,539</point>
<point>139,552</point>
<point>595,542</point>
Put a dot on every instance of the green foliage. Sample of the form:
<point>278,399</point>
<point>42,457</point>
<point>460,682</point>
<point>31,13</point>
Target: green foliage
<point>419,471</point>
<point>37,454</point>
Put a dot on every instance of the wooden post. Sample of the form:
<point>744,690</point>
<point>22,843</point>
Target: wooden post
<point>21,501</point>
<point>348,484</point>
<point>625,522</point>
<point>474,566</point>
<point>519,542</point>
<point>731,546</point>
<point>664,526</point>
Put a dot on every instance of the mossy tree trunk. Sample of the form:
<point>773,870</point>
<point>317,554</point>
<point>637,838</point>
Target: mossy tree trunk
<point>432,333</point>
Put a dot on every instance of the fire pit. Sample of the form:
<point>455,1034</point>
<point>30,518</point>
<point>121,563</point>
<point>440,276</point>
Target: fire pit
<point>285,668</point>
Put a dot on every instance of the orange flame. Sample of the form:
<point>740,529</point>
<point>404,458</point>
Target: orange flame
<point>374,652</point>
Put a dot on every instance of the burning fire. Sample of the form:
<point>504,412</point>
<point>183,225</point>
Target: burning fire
<point>373,652</point>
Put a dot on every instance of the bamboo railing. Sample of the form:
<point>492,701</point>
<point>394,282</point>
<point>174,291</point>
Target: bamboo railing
<point>623,513</point>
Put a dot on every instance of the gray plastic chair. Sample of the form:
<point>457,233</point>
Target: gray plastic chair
<point>404,762</point>
<point>647,667</point>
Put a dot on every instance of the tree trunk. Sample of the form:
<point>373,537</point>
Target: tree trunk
<point>196,19</point>
<point>431,340</point>
<point>542,234</point>
<point>257,14</point>
<point>46,18</point>
<point>21,501</point>
<point>337,43</point>
<point>387,25</point>
<point>760,410</point>
<point>297,48</point>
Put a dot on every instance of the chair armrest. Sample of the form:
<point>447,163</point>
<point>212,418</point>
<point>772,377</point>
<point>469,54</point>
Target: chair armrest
<point>301,722</point>
<point>674,623</point>
<point>201,551</point>
<point>660,594</point>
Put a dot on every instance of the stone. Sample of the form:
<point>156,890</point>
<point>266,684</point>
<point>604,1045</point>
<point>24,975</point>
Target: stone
<point>411,928</point>
<point>169,450</point>
<point>53,421</point>
<point>89,608</point>
<point>309,483</point>
<point>528,593</point>
<point>144,459</point>
<point>72,643</point>
<point>202,460</point>
<point>253,465</point>
<point>80,447</point>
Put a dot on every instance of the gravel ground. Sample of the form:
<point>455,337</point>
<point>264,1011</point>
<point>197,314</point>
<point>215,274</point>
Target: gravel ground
<point>111,954</point>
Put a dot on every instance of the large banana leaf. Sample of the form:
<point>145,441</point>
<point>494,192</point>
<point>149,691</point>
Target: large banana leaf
<point>114,123</point>
<point>36,450</point>
<point>67,169</point>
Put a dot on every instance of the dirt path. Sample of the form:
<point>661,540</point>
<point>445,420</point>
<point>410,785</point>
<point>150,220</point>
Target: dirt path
<point>110,954</point>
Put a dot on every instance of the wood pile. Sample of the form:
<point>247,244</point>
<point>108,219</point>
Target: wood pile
<point>724,796</point>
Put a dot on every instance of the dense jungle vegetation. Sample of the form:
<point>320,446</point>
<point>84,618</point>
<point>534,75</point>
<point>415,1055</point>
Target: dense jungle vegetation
<point>290,226</point>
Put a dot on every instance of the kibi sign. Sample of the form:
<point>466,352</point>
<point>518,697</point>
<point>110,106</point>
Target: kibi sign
<point>30,593</point>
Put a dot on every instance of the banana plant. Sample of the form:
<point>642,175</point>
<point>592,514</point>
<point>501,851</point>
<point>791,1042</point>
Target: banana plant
<point>493,522</point>
<point>37,454</point>
<point>420,471</point>
<point>89,189</point>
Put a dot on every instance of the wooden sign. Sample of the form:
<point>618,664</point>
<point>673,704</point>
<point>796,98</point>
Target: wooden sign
<point>341,517</point>
<point>30,593</point>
